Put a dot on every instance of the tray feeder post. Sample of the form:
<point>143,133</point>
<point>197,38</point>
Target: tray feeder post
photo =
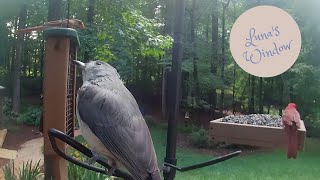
<point>59,94</point>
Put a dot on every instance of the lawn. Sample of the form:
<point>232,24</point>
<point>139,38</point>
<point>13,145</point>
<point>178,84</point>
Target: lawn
<point>271,165</point>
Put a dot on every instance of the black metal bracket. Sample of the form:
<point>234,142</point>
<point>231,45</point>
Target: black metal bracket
<point>204,164</point>
<point>54,133</point>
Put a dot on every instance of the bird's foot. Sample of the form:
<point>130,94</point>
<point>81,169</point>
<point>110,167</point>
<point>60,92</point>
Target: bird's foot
<point>110,171</point>
<point>94,158</point>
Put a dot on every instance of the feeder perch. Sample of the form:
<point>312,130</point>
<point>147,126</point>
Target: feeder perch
<point>253,135</point>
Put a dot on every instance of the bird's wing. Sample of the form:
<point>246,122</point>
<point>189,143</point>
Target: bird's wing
<point>291,115</point>
<point>116,120</point>
<point>286,119</point>
<point>296,118</point>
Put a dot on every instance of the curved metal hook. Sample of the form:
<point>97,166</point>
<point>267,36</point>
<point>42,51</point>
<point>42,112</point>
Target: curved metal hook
<point>54,133</point>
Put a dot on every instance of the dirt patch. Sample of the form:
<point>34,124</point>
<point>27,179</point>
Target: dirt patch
<point>16,136</point>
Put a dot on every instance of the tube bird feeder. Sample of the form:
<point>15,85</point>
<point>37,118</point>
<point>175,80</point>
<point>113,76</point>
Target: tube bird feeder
<point>59,94</point>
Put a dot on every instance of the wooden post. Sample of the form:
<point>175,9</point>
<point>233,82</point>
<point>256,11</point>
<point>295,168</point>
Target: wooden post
<point>59,41</point>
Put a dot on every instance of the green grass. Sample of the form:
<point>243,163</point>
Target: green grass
<point>264,166</point>
<point>273,165</point>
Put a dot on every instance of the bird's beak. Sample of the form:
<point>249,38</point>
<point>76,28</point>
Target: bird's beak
<point>80,64</point>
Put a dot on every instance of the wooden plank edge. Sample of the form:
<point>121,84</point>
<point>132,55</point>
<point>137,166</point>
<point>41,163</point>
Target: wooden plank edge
<point>3,134</point>
<point>8,154</point>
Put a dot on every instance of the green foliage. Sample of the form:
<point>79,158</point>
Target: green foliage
<point>188,129</point>
<point>8,172</point>
<point>306,84</point>
<point>76,172</point>
<point>28,171</point>
<point>31,116</point>
<point>200,138</point>
<point>10,116</point>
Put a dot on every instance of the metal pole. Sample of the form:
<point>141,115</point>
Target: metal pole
<point>174,89</point>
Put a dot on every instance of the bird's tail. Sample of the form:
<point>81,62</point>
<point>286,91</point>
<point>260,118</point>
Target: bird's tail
<point>292,147</point>
<point>29,30</point>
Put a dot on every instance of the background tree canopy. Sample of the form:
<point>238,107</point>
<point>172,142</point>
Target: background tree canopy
<point>135,36</point>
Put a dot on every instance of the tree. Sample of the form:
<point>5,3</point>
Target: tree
<point>196,86</point>
<point>18,59</point>
<point>55,11</point>
<point>223,60</point>
<point>214,54</point>
<point>90,26</point>
<point>169,17</point>
<point>260,95</point>
<point>252,94</point>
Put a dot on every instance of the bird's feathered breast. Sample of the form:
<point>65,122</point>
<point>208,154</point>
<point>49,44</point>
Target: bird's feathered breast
<point>291,115</point>
<point>112,113</point>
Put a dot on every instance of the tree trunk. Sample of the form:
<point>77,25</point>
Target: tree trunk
<point>260,95</point>
<point>282,91</point>
<point>194,54</point>
<point>169,17</point>
<point>269,104</point>
<point>251,105</point>
<point>234,87</point>
<point>234,67</point>
<point>90,16</point>
<point>214,54</point>
<point>18,60</point>
<point>249,92</point>
<point>35,63</point>
<point>55,10</point>
<point>41,59</point>
<point>221,105</point>
<point>13,56</point>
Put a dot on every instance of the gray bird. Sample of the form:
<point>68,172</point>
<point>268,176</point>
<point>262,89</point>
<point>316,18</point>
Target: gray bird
<point>112,124</point>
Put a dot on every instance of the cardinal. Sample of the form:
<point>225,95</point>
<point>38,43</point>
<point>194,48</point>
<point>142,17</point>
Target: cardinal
<point>71,23</point>
<point>291,122</point>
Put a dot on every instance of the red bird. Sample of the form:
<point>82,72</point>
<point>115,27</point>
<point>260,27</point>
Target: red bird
<point>291,122</point>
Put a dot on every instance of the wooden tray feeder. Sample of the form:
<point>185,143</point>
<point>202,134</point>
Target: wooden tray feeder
<point>253,135</point>
<point>59,91</point>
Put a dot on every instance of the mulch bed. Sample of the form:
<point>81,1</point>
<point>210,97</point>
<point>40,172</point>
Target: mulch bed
<point>16,136</point>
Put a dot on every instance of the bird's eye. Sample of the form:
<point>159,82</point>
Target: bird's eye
<point>98,63</point>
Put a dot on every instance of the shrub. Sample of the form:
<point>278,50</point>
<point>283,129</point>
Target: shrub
<point>76,172</point>
<point>188,129</point>
<point>8,172</point>
<point>7,110</point>
<point>27,172</point>
<point>199,138</point>
<point>31,116</point>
